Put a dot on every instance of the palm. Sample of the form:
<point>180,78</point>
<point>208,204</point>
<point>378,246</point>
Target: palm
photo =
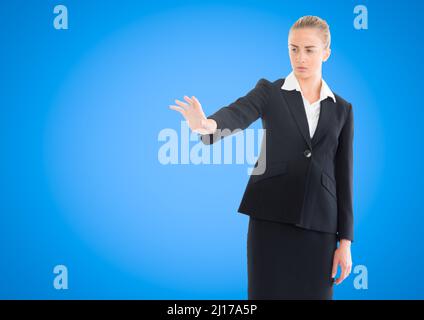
<point>193,113</point>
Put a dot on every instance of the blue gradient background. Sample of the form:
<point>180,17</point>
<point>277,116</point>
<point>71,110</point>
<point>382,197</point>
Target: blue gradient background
<point>81,110</point>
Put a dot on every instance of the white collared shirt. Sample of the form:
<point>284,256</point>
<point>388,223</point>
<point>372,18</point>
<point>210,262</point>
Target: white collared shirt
<point>312,110</point>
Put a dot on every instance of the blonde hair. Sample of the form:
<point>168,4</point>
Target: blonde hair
<point>314,22</point>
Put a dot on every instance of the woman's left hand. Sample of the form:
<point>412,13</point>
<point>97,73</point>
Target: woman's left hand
<point>342,257</point>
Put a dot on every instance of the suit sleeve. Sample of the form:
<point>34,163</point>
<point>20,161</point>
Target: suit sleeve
<point>239,114</point>
<point>344,177</point>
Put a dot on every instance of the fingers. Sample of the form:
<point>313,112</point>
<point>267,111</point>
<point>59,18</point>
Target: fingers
<point>179,109</point>
<point>348,269</point>
<point>196,102</point>
<point>193,101</point>
<point>188,99</point>
<point>344,273</point>
<point>185,106</point>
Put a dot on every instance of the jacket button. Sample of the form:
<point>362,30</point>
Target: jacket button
<point>307,153</point>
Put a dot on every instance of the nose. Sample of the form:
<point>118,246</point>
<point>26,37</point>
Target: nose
<point>301,57</point>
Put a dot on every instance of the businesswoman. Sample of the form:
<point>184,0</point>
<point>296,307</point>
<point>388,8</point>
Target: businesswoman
<point>299,195</point>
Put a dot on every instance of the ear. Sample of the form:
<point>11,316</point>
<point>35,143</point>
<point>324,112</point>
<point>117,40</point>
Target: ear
<point>327,54</point>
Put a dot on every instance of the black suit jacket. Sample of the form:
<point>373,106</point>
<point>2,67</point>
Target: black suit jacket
<point>307,182</point>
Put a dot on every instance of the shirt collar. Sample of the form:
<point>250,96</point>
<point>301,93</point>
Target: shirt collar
<point>291,83</point>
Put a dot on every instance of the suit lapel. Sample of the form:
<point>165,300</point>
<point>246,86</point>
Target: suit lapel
<point>324,119</point>
<point>294,102</point>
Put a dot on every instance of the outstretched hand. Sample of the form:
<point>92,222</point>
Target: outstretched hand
<point>193,113</point>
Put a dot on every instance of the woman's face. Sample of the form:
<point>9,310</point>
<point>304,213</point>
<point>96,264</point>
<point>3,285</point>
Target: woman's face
<point>307,52</point>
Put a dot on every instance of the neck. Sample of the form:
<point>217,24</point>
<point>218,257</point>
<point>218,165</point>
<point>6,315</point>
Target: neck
<point>311,84</point>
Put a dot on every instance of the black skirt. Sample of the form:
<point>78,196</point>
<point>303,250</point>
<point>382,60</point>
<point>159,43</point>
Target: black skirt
<point>289,262</point>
